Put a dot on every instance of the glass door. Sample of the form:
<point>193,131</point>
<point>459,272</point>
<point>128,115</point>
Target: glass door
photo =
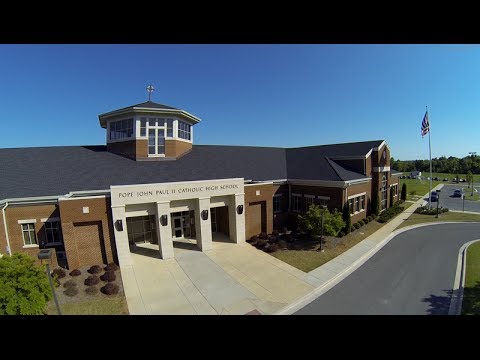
<point>177,227</point>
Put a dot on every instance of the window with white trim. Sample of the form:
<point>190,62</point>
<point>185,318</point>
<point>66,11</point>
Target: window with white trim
<point>356,204</point>
<point>184,130</point>
<point>321,201</point>
<point>394,188</point>
<point>28,232</point>
<point>308,201</point>
<point>296,202</point>
<point>52,232</point>
<point>277,203</point>
<point>121,129</point>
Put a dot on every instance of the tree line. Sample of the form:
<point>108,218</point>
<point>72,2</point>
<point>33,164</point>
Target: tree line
<point>451,165</point>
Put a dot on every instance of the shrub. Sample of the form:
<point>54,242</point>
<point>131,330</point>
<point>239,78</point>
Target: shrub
<point>253,239</point>
<point>272,248</point>
<point>262,236</point>
<point>75,272</point>
<point>110,289</point>
<point>361,223</point>
<point>273,239</point>
<point>289,238</point>
<point>284,230</point>
<point>366,220</point>
<point>426,211</point>
<point>356,225</point>
<point>275,232</point>
<point>70,283</point>
<point>109,276</point>
<point>282,244</point>
<point>71,291</point>
<point>111,267</point>
<point>59,272</point>
<point>413,192</point>
<point>389,213</point>
<point>95,269</point>
<point>20,275</point>
<point>284,236</point>
<point>403,195</point>
<point>346,218</point>
<point>92,280</point>
<point>91,290</point>
<point>341,234</point>
<point>261,243</point>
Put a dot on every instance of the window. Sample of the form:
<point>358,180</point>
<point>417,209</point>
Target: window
<point>28,232</point>
<point>384,191</point>
<point>356,203</point>
<point>143,126</point>
<point>169,124</point>
<point>156,136</point>
<point>52,232</point>
<point>277,203</point>
<point>183,130</point>
<point>308,201</point>
<point>296,202</point>
<point>121,129</point>
<point>394,188</point>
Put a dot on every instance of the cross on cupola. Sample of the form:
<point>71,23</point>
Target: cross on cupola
<point>150,89</point>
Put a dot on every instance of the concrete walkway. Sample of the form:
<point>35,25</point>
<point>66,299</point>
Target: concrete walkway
<point>238,278</point>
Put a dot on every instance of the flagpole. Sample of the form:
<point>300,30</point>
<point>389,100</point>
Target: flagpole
<point>430,151</point>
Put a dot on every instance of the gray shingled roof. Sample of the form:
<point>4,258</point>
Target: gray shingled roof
<point>148,104</point>
<point>43,171</point>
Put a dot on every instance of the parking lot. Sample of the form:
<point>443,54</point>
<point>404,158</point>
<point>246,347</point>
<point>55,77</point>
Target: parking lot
<point>447,200</point>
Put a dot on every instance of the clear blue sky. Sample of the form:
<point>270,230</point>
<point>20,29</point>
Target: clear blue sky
<point>262,95</point>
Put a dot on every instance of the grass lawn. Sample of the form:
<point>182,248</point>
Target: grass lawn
<point>476,177</point>
<point>114,306</point>
<point>471,292</point>
<point>418,187</point>
<point>449,216</point>
<point>468,195</point>
<point>307,260</point>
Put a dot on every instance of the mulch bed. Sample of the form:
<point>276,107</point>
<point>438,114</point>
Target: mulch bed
<point>79,280</point>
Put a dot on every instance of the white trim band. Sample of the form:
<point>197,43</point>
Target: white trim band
<point>27,221</point>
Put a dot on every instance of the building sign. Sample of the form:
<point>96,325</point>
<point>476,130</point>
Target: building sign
<point>146,193</point>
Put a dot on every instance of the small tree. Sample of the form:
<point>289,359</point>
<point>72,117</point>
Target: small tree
<point>24,286</point>
<point>312,221</point>
<point>470,179</point>
<point>403,196</point>
<point>347,218</point>
<point>375,206</point>
<point>391,197</point>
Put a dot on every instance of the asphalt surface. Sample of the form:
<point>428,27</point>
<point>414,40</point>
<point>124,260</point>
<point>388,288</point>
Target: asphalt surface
<point>411,275</point>
<point>447,200</point>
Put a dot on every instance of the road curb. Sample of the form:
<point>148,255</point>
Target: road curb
<point>317,292</point>
<point>459,283</point>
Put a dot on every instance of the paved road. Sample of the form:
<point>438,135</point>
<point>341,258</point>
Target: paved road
<point>447,200</point>
<point>412,274</point>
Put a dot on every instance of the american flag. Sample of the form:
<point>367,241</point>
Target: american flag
<point>425,124</point>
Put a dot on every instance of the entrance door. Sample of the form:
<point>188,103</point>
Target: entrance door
<point>177,224</point>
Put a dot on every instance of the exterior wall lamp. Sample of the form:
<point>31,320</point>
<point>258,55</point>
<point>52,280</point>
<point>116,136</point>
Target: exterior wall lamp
<point>119,225</point>
<point>164,220</point>
<point>240,209</point>
<point>204,214</point>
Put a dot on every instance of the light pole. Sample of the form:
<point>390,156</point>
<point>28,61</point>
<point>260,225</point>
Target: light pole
<point>46,254</point>
<point>473,154</point>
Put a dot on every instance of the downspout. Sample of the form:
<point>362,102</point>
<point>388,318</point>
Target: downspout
<point>6,230</point>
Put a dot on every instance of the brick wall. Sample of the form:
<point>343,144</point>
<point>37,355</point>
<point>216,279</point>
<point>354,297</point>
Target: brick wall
<point>78,227</point>
<point>24,212</point>
<point>335,194</point>
<point>259,205</point>
<point>175,148</point>
<point>141,149</point>
<point>126,148</point>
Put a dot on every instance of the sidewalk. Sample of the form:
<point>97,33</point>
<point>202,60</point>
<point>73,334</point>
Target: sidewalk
<point>331,273</point>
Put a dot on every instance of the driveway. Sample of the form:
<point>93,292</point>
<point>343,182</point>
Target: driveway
<point>447,200</point>
<point>412,274</point>
<point>229,279</point>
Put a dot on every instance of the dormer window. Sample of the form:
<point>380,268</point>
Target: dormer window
<point>122,129</point>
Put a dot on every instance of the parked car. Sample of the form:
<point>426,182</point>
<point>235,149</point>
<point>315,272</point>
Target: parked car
<point>434,196</point>
<point>445,179</point>
<point>457,193</point>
